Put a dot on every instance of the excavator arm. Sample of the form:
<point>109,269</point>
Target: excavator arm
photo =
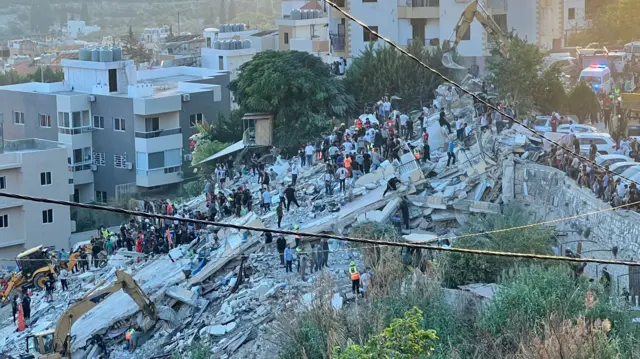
<point>61,338</point>
<point>474,11</point>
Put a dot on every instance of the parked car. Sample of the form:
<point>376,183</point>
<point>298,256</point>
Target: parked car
<point>542,124</point>
<point>578,128</point>
<point>619,167</point>
<point>608,160</point>
<point>603,141</point>
<point>629,173</point>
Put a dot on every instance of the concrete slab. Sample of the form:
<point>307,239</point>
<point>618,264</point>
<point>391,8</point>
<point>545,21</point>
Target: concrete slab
<point>436,202</point>
<point>441,216</point>
<point>484,207</point>
<point>420,237</point>
<point>182,294</point>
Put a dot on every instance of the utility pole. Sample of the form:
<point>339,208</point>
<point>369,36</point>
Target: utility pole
<point>178,23</point>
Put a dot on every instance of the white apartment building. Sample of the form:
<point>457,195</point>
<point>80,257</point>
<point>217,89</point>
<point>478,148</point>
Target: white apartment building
<point>76,28</point>
<point>37,168</point>
<point>431,21</point>
<point>227,48</point>
<point>574,15</point>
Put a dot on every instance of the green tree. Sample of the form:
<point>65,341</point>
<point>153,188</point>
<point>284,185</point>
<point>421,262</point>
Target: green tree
<point>84,13</point>
<point>222,15</point>
<point>297,88</point>
<point>583,102</point>
<point>232,10</point>
<point>380,70</point>
<point>614,22</point>
<point>516,76</point>
<point>134,49</point>
<point>62,16</point>
<point>461,269</point>
<point>549,94</point>
<point>403,339</point>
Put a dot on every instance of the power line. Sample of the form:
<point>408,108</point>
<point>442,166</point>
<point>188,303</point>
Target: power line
<point>446,79</point>
<point>321,235</point>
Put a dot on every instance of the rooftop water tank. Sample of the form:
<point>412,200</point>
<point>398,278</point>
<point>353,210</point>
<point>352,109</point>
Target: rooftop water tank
<point>217,44</point>
<point>117,53</point>
<point>305,14</point>
<point>316,14</point>
<point>238,45</point>
<point>241,27</point>
<point>226,27</point>
<point>106,55</point>
<point>95,55</point>
<point>225,45</point>
<point>295,14</point>
<point>235,27</point>
<point>84,54</point>
<point>246,44</point>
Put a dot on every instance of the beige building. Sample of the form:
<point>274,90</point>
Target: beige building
<point>304,26</point>
<point>37,168</point>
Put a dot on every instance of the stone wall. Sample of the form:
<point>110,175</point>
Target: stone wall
<point>553,196</point>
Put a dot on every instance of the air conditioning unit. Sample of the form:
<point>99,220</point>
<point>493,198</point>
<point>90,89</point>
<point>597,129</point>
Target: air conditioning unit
<point>186,97</point>
<point>92,98</point>
<point>188,157</point>
<point>129,165</point>
<point>94,168</point>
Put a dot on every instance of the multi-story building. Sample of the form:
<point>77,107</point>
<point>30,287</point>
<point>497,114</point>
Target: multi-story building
<point>37,168</point>
<point>227,48</point>
<point>303,26</point>
<point>574,15</point>
<point>77,28</point>
<point>431,21</point>
<point>127,131</point>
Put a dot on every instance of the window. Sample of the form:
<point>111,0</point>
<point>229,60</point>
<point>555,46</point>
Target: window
<point>73,123</point>
<point>220,63</point>
<point>369,0</point>
<point>45,178</point>
<point>45,120</point>
<point>18,118</point>
<point>572,13</point>
<point>120,161</point>
<point>3,182</point>
<point>98,122</point>
<point>467,34</point>
<point>4,220</point>
<point>101,196</point>
<point>286,38</point>
<point>99,159</point>
<point>368,36</point>
<point>195,118</point>
<point>118,124</point>
<point>47,216</point>
<point>151,124</point>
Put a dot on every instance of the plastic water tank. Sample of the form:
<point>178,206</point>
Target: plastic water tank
<point>238,44</point>
<point>217,44</point>
<point>235,27</point>
<point>84,54</point>
<point>295,14</point>
<point>225,45</point>
<point>246,44</point>
<point>222,28</point>
<point>95,55</point>
<point>106,55</point>
<point>241,27</point>
<point>305,14</point>
<point>227,27</point>
<point>117,53</point>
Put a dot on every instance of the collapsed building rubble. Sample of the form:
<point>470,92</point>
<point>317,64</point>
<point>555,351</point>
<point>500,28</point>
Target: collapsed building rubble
<point>224,290</point>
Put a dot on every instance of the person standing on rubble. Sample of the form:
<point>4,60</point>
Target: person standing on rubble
<point>355,278</point>
<point>302,264</point>
<point>325,252</point>
<point>290,195</point>
<point>443,121</point>
<point>288,259</point>
<point>49,285</point>
<point>451,153</point>
<point>404,210</point>
<point>64,275</point>
<point>281,245</point>
<point>266,198</point>
<point>342,177</point>
<point>294,173</point>
<point>279,212</point>
<point>309,150</point>
<point>328,183</point>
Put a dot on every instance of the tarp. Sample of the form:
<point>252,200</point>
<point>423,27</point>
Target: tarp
<point>227,151</point>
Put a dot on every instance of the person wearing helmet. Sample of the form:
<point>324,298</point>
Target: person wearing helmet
<point>355,278</point>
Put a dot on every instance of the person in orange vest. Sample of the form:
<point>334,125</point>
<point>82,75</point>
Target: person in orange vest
<point>355,278</point>
<point>130,335</point>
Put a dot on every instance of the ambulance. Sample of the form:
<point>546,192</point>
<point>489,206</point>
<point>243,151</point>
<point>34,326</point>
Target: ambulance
<point>598,77</point>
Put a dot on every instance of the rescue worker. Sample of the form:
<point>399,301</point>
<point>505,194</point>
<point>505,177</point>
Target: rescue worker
<point>130,335</point>
<point>355,278</point>
<point>298,238</point>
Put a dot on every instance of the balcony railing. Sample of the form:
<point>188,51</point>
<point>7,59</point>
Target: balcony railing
<point>159,133</point>
<point>425,42</point>
<point>337,42</point>
<point>421,3</point>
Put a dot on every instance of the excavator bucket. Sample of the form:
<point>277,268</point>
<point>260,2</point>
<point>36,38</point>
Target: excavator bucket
<point>447,61</point>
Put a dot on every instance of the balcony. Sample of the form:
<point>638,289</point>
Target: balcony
<point>337,42</point>
<point>157,105</point>
<point>6,203</point>
<point>82,173</point>
<point>158,141</point>
<point>309,45</point>
<point>159,176</point>
<point>419,9</point>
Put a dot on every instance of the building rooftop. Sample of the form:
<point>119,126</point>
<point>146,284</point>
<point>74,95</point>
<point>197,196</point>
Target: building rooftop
<point>30,145</point>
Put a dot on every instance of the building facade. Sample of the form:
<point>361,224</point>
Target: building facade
<point>127,131</point>
<point>304,26</point>
<point>37,168</point>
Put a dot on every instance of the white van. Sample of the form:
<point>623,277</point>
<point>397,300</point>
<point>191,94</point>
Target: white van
<point>599,77</point>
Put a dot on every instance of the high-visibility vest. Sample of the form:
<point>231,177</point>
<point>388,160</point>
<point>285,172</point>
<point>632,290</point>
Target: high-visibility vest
<point>355,275</point>
<point>129,334</point>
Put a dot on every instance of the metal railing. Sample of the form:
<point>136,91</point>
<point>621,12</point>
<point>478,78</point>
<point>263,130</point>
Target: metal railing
<point>423,3</point>
<point>159,133</point>
<point>337,42</point>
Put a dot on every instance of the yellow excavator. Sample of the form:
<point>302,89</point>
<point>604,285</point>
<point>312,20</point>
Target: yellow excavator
<point>471,12</point>
<point>56,343</point>
<point>35,267</point>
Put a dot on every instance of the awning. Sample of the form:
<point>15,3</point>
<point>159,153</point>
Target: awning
<point>227,151</point>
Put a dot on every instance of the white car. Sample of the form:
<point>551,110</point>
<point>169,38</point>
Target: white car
<point>619,167</point>
<point>608,160</point>
<point>603,141</point>
<point>542,124</point>
<point>629,172</point>
<point>577,128</point>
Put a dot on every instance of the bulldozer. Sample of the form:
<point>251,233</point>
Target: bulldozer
<point>35,267</point>
<point>474,11</point>
<point>56,343</point>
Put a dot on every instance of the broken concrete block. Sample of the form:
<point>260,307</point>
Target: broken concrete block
<point>167,314</point>
<point>441,216</point>
<point>182,294</point>
<point>337,301</point>
<point>436,202</point>
<point>217,330</point>
<point>230,327</point>
<point>484,207</point>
